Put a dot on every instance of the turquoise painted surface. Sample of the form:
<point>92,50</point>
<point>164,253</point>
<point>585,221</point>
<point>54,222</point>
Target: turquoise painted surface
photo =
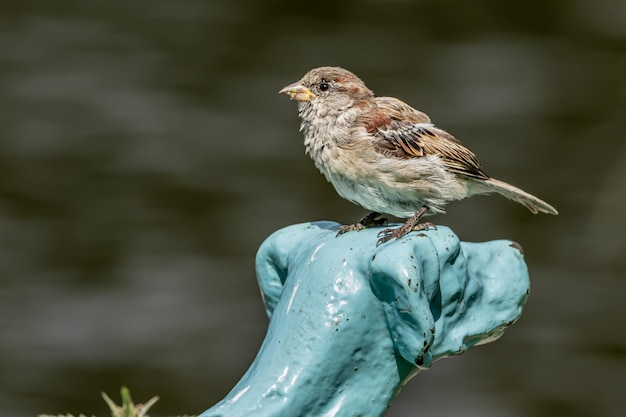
<point>350,322</point>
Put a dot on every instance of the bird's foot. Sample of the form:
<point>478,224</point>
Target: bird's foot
<point>349,228</point>
<point>366,221</point>
<point>408,226</point>
<point>403,230</point>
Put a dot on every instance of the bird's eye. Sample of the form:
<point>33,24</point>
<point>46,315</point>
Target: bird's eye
<point>324,86</point>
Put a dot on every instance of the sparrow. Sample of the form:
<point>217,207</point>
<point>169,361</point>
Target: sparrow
<point>387,157</point>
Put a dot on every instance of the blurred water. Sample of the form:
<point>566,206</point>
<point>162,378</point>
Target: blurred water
<point>145,154</point>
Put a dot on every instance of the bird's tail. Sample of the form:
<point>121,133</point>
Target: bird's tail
<point>532,203</point>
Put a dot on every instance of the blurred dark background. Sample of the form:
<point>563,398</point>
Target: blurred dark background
<point>145,154</point>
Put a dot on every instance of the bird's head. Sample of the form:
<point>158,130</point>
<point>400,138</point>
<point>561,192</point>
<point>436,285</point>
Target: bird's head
<point>328,90</point>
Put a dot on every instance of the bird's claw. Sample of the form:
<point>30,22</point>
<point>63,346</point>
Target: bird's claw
<point>384,239</point>
<point>349,228</point>
<point>398,232</point>
<point>367,221</point>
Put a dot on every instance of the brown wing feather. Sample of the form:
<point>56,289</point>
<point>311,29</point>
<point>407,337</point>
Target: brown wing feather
<point>403,132</point>
<point>393,106</point>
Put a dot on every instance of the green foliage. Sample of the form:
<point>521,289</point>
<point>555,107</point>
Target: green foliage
<point>127,409</point>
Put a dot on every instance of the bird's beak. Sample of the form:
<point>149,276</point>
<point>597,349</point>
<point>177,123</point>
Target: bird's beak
<point>297,91</point>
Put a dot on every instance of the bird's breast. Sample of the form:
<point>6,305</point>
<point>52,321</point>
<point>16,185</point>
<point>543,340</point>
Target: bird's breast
<point>383,184</point>
<point>357,180</point>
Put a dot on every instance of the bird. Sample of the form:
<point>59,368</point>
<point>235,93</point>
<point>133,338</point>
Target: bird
<point>387,157</point>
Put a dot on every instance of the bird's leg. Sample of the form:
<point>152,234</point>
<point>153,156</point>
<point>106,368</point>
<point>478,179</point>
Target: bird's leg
<point>410,225</point>
<point>366,221</point>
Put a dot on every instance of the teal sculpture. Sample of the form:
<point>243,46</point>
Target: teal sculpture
<point>351,323</point>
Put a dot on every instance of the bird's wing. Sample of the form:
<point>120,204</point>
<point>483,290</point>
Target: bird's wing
<point>393,106</point>
<point>403,132</point>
